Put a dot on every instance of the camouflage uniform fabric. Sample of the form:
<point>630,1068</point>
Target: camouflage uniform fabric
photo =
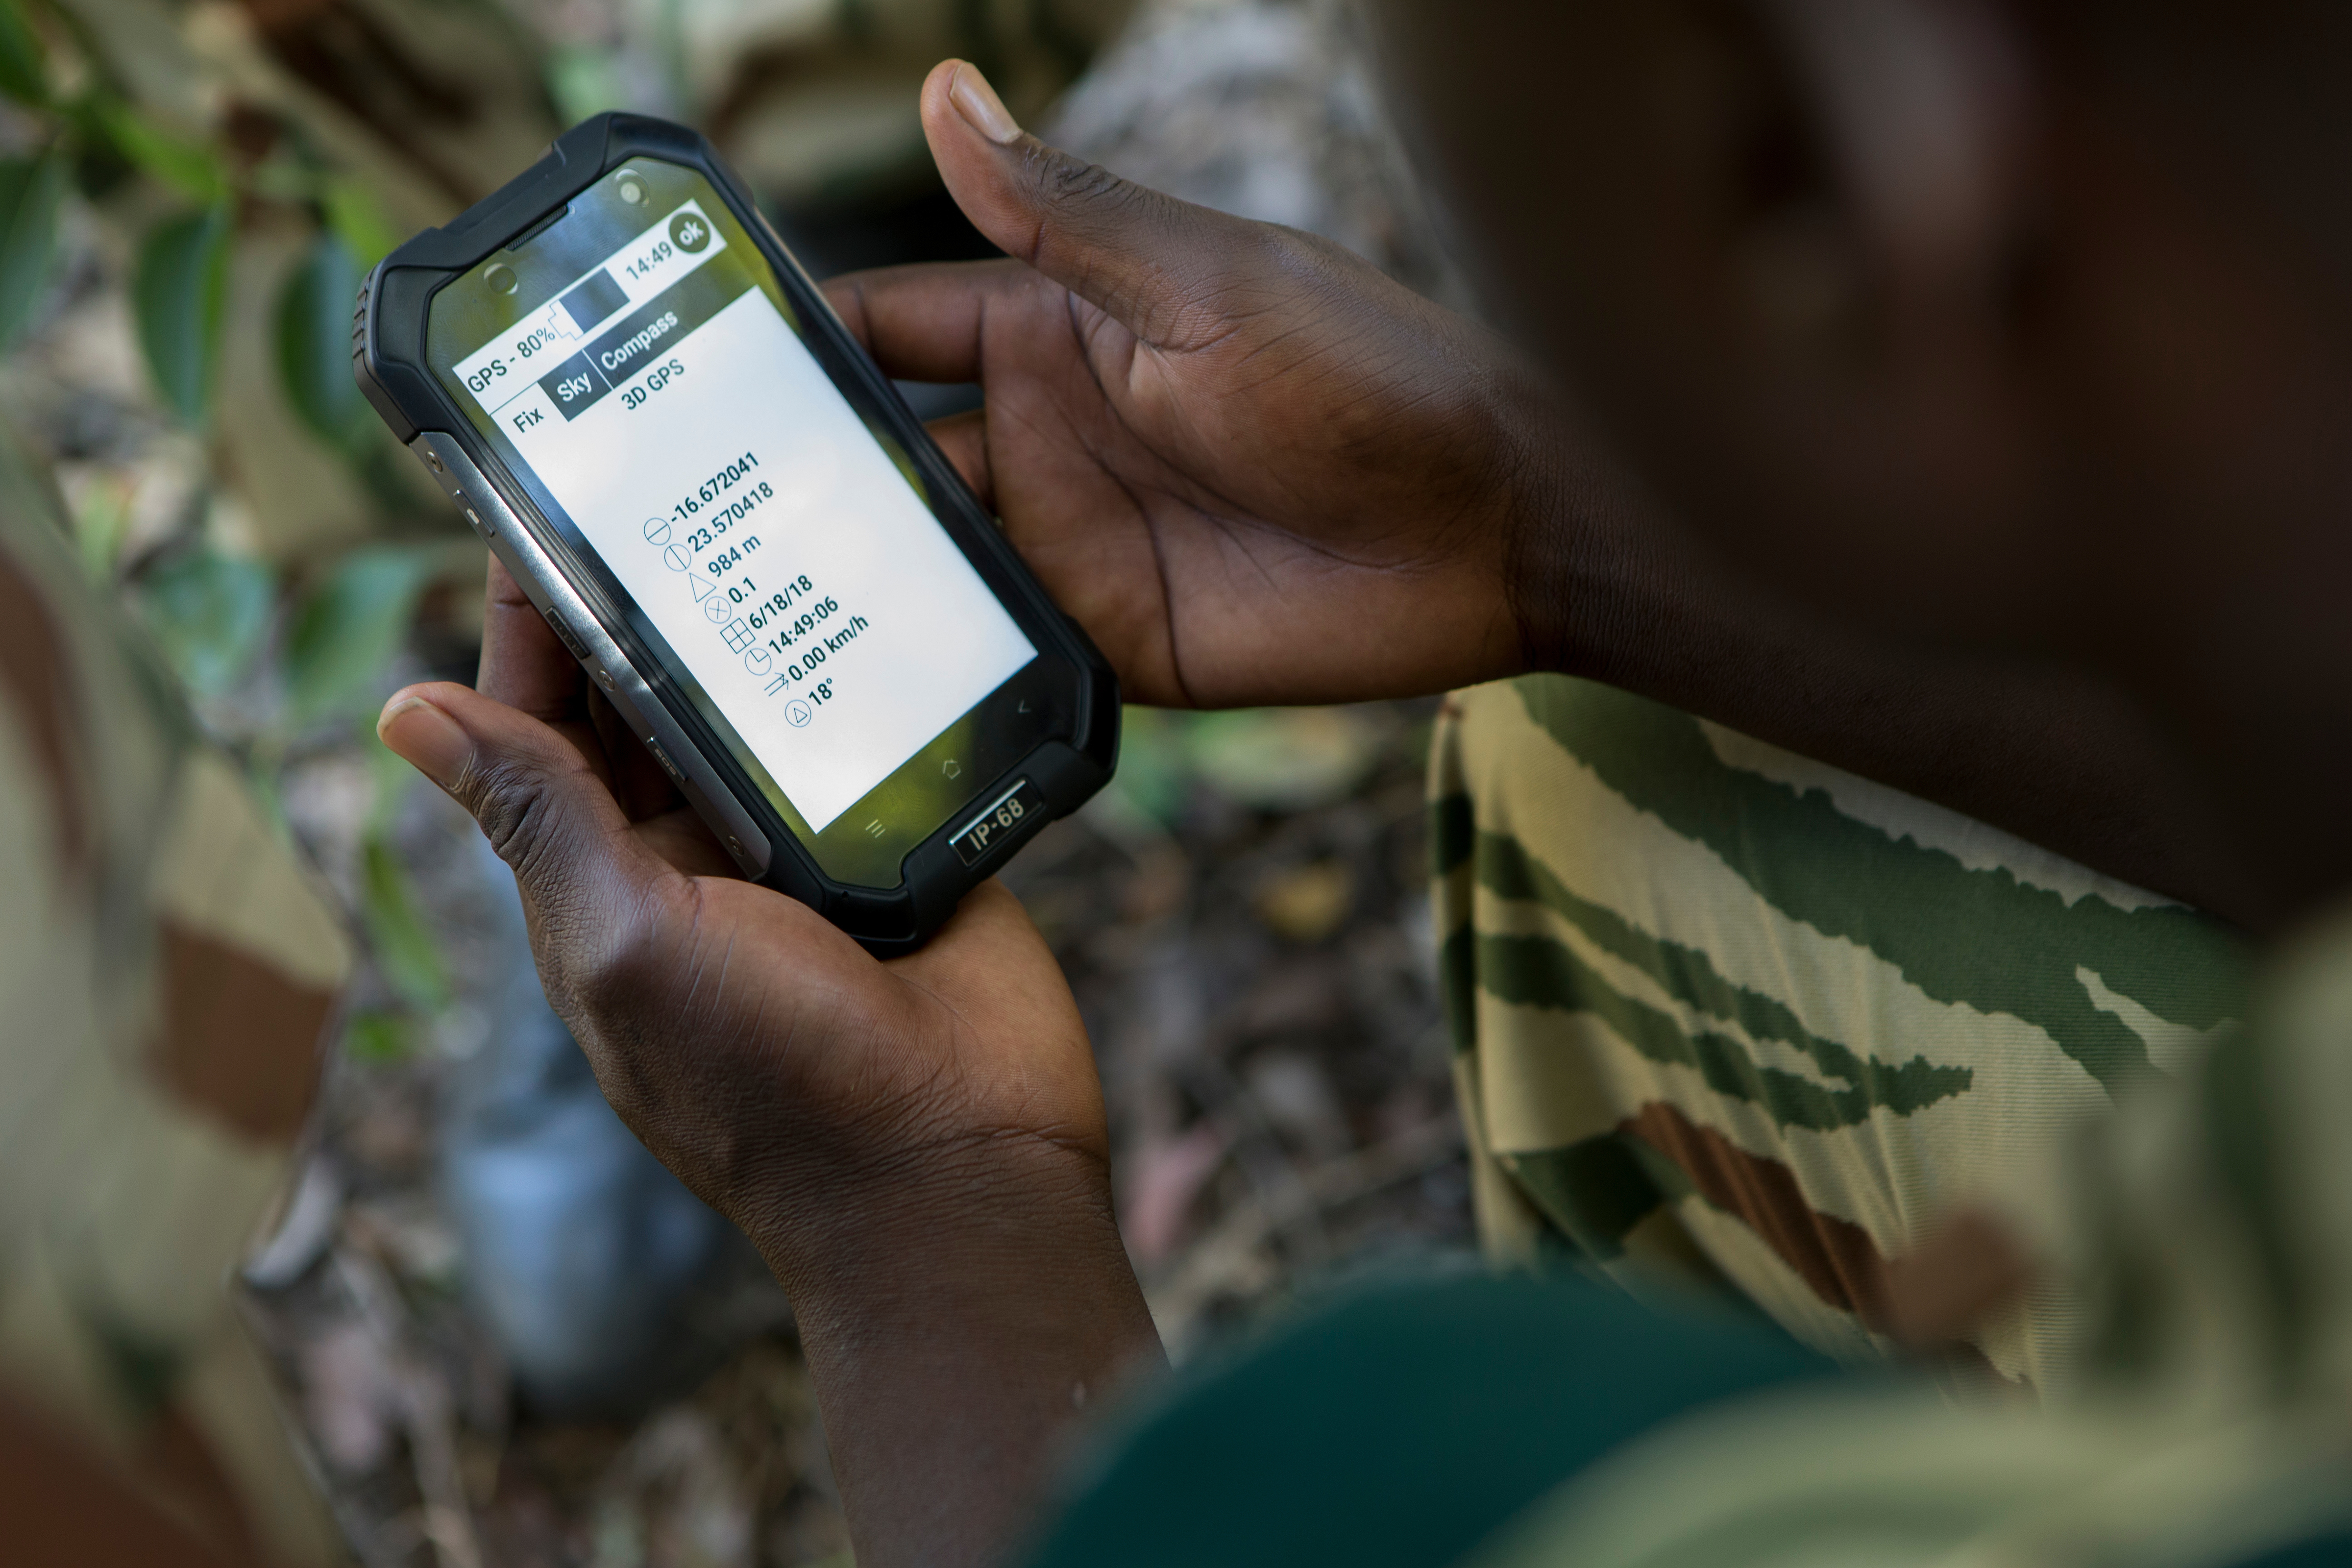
<point>1725,1014</point>
<point>2208,1227</point>
<point>165,972</point>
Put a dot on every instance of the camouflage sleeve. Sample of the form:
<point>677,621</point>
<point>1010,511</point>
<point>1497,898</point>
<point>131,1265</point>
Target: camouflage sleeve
<point>1726,1015</point>
<point>166,968</point>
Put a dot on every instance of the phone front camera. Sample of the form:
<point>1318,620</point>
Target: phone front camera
<point>501,278</point>
<point>632,189</point>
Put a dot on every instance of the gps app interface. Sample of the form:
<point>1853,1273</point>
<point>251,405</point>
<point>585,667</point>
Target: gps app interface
<point>672,412</point>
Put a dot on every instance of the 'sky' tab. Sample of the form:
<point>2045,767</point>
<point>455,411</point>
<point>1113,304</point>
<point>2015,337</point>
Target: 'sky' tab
<point>574,386</point>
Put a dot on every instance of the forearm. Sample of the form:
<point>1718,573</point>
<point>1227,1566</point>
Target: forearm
<point>1609,587</point>
<point>956,1335</point>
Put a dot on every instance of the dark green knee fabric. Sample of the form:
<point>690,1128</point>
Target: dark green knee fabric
<point>1404,1427</point>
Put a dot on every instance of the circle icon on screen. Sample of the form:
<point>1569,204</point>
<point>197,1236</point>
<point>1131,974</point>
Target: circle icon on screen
<point>757,662</point>
<point>656,530</point>
<point>689,233</point>
<point>797,713</point>
<point>714,609</point>
<point>675,558</point>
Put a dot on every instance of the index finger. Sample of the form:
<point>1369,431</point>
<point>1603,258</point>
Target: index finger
<point>524,664</point>
<point>925,321</point>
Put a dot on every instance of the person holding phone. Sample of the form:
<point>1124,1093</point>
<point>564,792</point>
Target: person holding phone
<point>1257,473</point>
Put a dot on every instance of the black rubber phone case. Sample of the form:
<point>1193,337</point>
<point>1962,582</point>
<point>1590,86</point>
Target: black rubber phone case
<point>388,357</point>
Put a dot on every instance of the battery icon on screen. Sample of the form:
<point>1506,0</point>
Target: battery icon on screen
<point>594,298</point>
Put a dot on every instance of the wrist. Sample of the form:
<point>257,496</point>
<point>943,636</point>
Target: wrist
<point>959,1316</point>
<point>890,1207</point>
<point>1589,557</point>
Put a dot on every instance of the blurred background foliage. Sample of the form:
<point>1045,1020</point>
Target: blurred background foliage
<point>190,191</point>
<point>190,194</point>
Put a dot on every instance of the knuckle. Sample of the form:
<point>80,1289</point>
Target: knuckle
<point>622,965</point>
<point>1083,200</point>
<point>609,974</point>
<point>1067,181</point>
<point>511,803</point>
<point>642,983</point>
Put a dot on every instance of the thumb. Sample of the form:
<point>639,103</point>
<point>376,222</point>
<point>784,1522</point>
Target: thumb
<point>1142,256</point>
<point>584,874</point>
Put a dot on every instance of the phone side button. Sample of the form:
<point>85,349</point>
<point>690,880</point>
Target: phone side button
<point>563,633</point>
<point>701,784</point>
<point>997,822</point>
<point>662,757</point>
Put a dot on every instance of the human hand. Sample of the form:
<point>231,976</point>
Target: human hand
<point>1255,468</point>
<point>917,1147</point>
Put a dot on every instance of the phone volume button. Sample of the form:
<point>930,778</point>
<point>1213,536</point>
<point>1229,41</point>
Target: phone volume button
<point>663,758</point>
<point>563,635</point>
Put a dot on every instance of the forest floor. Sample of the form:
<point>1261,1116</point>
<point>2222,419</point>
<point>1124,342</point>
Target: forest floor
<point>1245,920</point>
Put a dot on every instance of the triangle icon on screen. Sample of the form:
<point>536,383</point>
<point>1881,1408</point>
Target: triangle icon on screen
<point>703,586</point>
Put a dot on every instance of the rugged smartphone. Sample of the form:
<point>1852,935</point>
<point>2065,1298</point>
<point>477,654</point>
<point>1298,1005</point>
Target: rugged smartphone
<point>729,515</point>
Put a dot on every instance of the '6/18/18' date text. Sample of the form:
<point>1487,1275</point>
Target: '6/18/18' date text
<point>789,632</point>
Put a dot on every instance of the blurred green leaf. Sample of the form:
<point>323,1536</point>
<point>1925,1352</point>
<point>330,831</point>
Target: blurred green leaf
<point>99,526</point>
<point>186,166</point>
<point>389,775</point>
<point>405,952</point>
<point>30,189</point>
<point>179,296</point>
<point>358,220</point>
<point>314,345</point>
<point>24,72</point>
<point>99,169</point>
<point>584,81</point>
<point>349,628</point>
<point>1284,758</point>
<point>209,613</point>
<point>28,485</point>
<point>378,1039</point>
<point>1153,774</point>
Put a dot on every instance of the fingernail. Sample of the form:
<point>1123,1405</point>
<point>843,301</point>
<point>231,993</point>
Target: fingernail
<point>426,738</point>
<point>978,103</point>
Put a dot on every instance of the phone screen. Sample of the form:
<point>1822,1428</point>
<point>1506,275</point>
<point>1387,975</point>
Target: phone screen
<point>637,365</point>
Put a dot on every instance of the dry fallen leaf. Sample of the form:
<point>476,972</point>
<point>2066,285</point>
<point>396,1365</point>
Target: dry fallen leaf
<point>1167,1175</point>
<point>350,1396</point>
<point>1307,903</point>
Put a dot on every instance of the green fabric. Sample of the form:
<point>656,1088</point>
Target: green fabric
<point>1976,936</point>
<point>1403,1426</point>
<point>1724,1010</point>
<point>1688,975</point>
